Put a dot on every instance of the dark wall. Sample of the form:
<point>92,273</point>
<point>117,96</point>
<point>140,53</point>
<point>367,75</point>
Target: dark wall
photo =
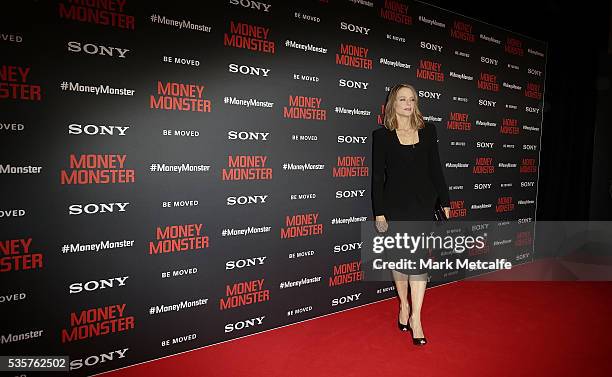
<point>77,289</point>
<point>601,189</point>
<point>575,159</point>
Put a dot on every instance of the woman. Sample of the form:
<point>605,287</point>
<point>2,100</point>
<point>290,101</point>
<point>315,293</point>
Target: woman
<point>407,180</point>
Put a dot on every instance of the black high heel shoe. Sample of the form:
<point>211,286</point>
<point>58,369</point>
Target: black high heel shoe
<point>417,341</point>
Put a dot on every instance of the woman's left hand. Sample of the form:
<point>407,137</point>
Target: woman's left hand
<point>447,212</point>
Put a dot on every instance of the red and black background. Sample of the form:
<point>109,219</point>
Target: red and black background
<point>306,158</point>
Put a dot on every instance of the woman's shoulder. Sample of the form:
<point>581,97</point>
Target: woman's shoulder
<point>430,128</point>
<point>381,131</point>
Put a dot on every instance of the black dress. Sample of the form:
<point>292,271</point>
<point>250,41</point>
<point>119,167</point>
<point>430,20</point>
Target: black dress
<point>407,179</point>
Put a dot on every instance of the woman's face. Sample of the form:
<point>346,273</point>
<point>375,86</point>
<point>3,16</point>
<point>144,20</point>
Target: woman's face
<point>404,102</point>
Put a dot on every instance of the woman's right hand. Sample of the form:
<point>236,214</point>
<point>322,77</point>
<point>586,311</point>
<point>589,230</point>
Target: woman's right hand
<point>381,224</point>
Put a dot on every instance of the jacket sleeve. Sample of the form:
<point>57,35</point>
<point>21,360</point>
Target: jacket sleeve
<point>379,151</point>
<point>435,169</point>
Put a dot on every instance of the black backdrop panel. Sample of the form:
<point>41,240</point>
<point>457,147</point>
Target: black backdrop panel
<point>181,174</point>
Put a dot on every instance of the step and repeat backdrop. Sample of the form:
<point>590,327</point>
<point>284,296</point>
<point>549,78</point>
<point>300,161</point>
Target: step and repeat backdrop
<point>177,174</point>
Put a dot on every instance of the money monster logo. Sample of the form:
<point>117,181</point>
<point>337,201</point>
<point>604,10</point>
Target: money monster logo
<point>353,56</point>
<point>302,225</point>
<point>13,84</point>
<point>488,82</point>
<point>89,169</point>
<point>350,166</point>
<point>91,323</point>
<point>99,12</point>
<point>244,293</point>
<point>459,122</point>
<point>396,12</point>
<point>484,165</point>
<point>533,91</point>
<point>180,97</point>
<point>346,273</point>
<point>430,70</point>
<point>514,46</point>
<point>173,238</point>
<point>523,239</point>
<point>528,165</point>
<point>509,126</point>
<point>17,255</point>
<point>301,107</point>
<point>463,31</point>
<point>250,37</point>
<point>457,208</point>
<point>246,168</point>
<point>504,204</point>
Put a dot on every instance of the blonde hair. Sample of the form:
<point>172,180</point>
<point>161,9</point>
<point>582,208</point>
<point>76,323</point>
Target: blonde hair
<point>390,121</point>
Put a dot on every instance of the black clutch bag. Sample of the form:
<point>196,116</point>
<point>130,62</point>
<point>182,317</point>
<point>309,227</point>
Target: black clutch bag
<point>439,214</point>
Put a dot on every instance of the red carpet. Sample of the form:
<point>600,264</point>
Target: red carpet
<point>499,329</point>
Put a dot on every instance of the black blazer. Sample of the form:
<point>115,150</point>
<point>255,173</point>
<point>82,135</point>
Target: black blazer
<point>402,172</point>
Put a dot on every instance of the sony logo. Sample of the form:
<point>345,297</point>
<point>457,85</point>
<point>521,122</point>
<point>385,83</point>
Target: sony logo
<point>349,193</point>
<point>243,200</point>
<point>486,102</point>
<point>431,46</point>
<point>97,359</point>
<point>244,324</point>
<point>347,247</point>
<point>426,94</point>
<point>353,84</point>
<point>491,61</point>
<point>93,49</point>
<point>242,263</point>
<point>252,4</point>
<point>354,28</point>
<point>244,135</point>
<point>248,70</point>
<point>91,208</point>
<point>94,285</point>
<point>534,72</point>
<point>348,139</point>
<point>92,129</point>
<point>345,299</point>
<point>483,226</point>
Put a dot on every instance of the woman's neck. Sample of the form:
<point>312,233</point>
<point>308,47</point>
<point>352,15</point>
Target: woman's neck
<point>403,123</point>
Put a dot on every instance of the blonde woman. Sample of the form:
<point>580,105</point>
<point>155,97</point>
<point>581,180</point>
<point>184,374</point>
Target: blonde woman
<point>407,180</point>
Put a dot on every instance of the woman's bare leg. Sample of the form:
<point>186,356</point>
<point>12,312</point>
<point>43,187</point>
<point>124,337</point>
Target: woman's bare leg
<point>401,285</point>
<point>418,284</point>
